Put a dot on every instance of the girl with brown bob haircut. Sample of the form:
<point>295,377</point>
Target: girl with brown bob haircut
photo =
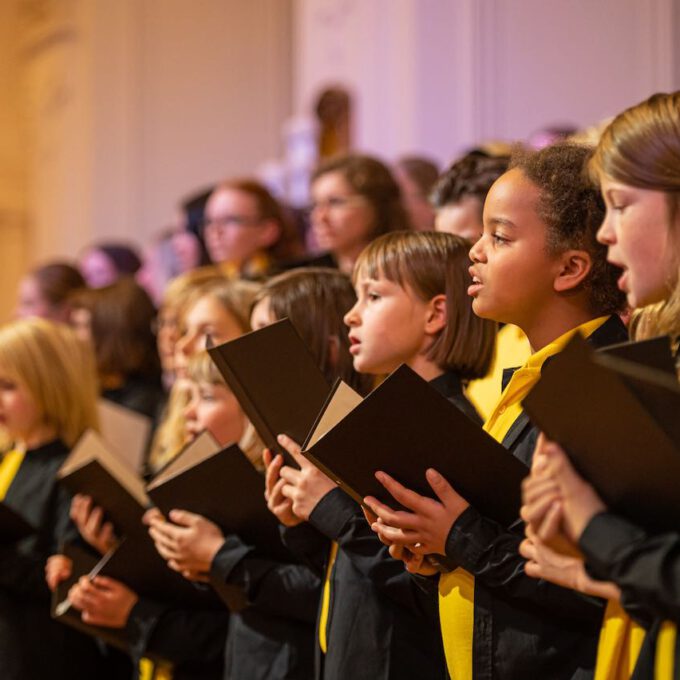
<point>432,264</point>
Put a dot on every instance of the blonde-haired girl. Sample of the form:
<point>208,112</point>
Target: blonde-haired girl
<point>48,396</point>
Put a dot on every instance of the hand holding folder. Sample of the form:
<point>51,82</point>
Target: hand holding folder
<point>618,422</point>
<point>94,469</point>
<point>405,427</point>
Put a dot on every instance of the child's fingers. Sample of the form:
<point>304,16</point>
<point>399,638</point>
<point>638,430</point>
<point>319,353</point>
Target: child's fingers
<point>550,525</point>
<point>533,513</point>
<point>409,499</point>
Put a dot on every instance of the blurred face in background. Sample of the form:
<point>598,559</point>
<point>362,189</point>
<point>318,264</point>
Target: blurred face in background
<point>80,320</point>
<point>32,302</point>
<point>98,269</point>
<point>167,333</point>
<point>207,317</point>
<point>213,407</point>
<point>187,250</point>
<point>234,231</point>
<point>343,221</point>
<point>20,416</point>
<point>462,218</point>
<point>416,203</point>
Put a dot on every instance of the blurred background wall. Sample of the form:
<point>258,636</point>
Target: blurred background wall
<point>113,111</point>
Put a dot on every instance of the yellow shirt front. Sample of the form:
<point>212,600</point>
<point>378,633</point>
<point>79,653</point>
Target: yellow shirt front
<point>512,349</point>
<point>456,589</point>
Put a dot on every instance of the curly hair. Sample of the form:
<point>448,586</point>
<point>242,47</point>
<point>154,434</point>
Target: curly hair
<point>471,175</point>
<point>572,208</point>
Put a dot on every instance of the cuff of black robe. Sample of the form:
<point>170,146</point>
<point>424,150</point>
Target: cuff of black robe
<point>226,559</point>
<point>332,512</point>
<point>603,540</point>
<point>462,543</point>
<point>141,623</point>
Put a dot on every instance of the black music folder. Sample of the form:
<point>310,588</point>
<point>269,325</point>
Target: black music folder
<point>93,468</point>
<point>618,422</point>
<point>404,427</point>
<point>222,485</point>
<point>276,380</point>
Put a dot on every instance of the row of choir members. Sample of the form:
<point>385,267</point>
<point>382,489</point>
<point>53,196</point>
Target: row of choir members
<point>346,604</point>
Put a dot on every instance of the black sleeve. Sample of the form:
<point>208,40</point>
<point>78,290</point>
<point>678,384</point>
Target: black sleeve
<point>290,591</point>
<point>177,635</point>
<point>22,564</point>
<point>307,544</point>
<point>645,567</point>
<point>490,552</point>
<point>339,518</point>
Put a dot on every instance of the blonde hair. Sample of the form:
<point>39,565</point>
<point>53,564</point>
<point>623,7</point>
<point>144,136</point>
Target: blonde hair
<point>201,369</point>
<point>57,369</point>
<point>185,284</point>
<point>641,148</point>
<point>237,298</point>
<point>436,263</point>
<point>169,437</point>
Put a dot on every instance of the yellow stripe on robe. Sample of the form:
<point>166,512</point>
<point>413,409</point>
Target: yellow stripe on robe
<point>664,662</point>
<point>619,646</point>
<point>457,589</point>
<point>11,462</point>
<point>326,599</point>
<point>456,616</point>
<point>148,670</point>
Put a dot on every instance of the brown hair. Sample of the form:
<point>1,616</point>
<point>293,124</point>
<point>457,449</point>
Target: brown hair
<point>436,263</point>
<point>236,296</point>
<point>57,281</point>
<point>289,244</point>
<point>422,171</point>
<point>573,210</point>
<point>315,300</point>
<point>121,325</point>
<point>641,148</point>
<point>371,179</point>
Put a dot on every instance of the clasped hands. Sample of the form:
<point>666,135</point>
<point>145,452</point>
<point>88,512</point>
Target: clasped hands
<point>292,494</point>
<point>557,506</point>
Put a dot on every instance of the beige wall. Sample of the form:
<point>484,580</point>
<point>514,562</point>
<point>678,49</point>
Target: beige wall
<point>112,111</point>
<point>118,109</point>
<point>12,161</point>
<point>436,75</point>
